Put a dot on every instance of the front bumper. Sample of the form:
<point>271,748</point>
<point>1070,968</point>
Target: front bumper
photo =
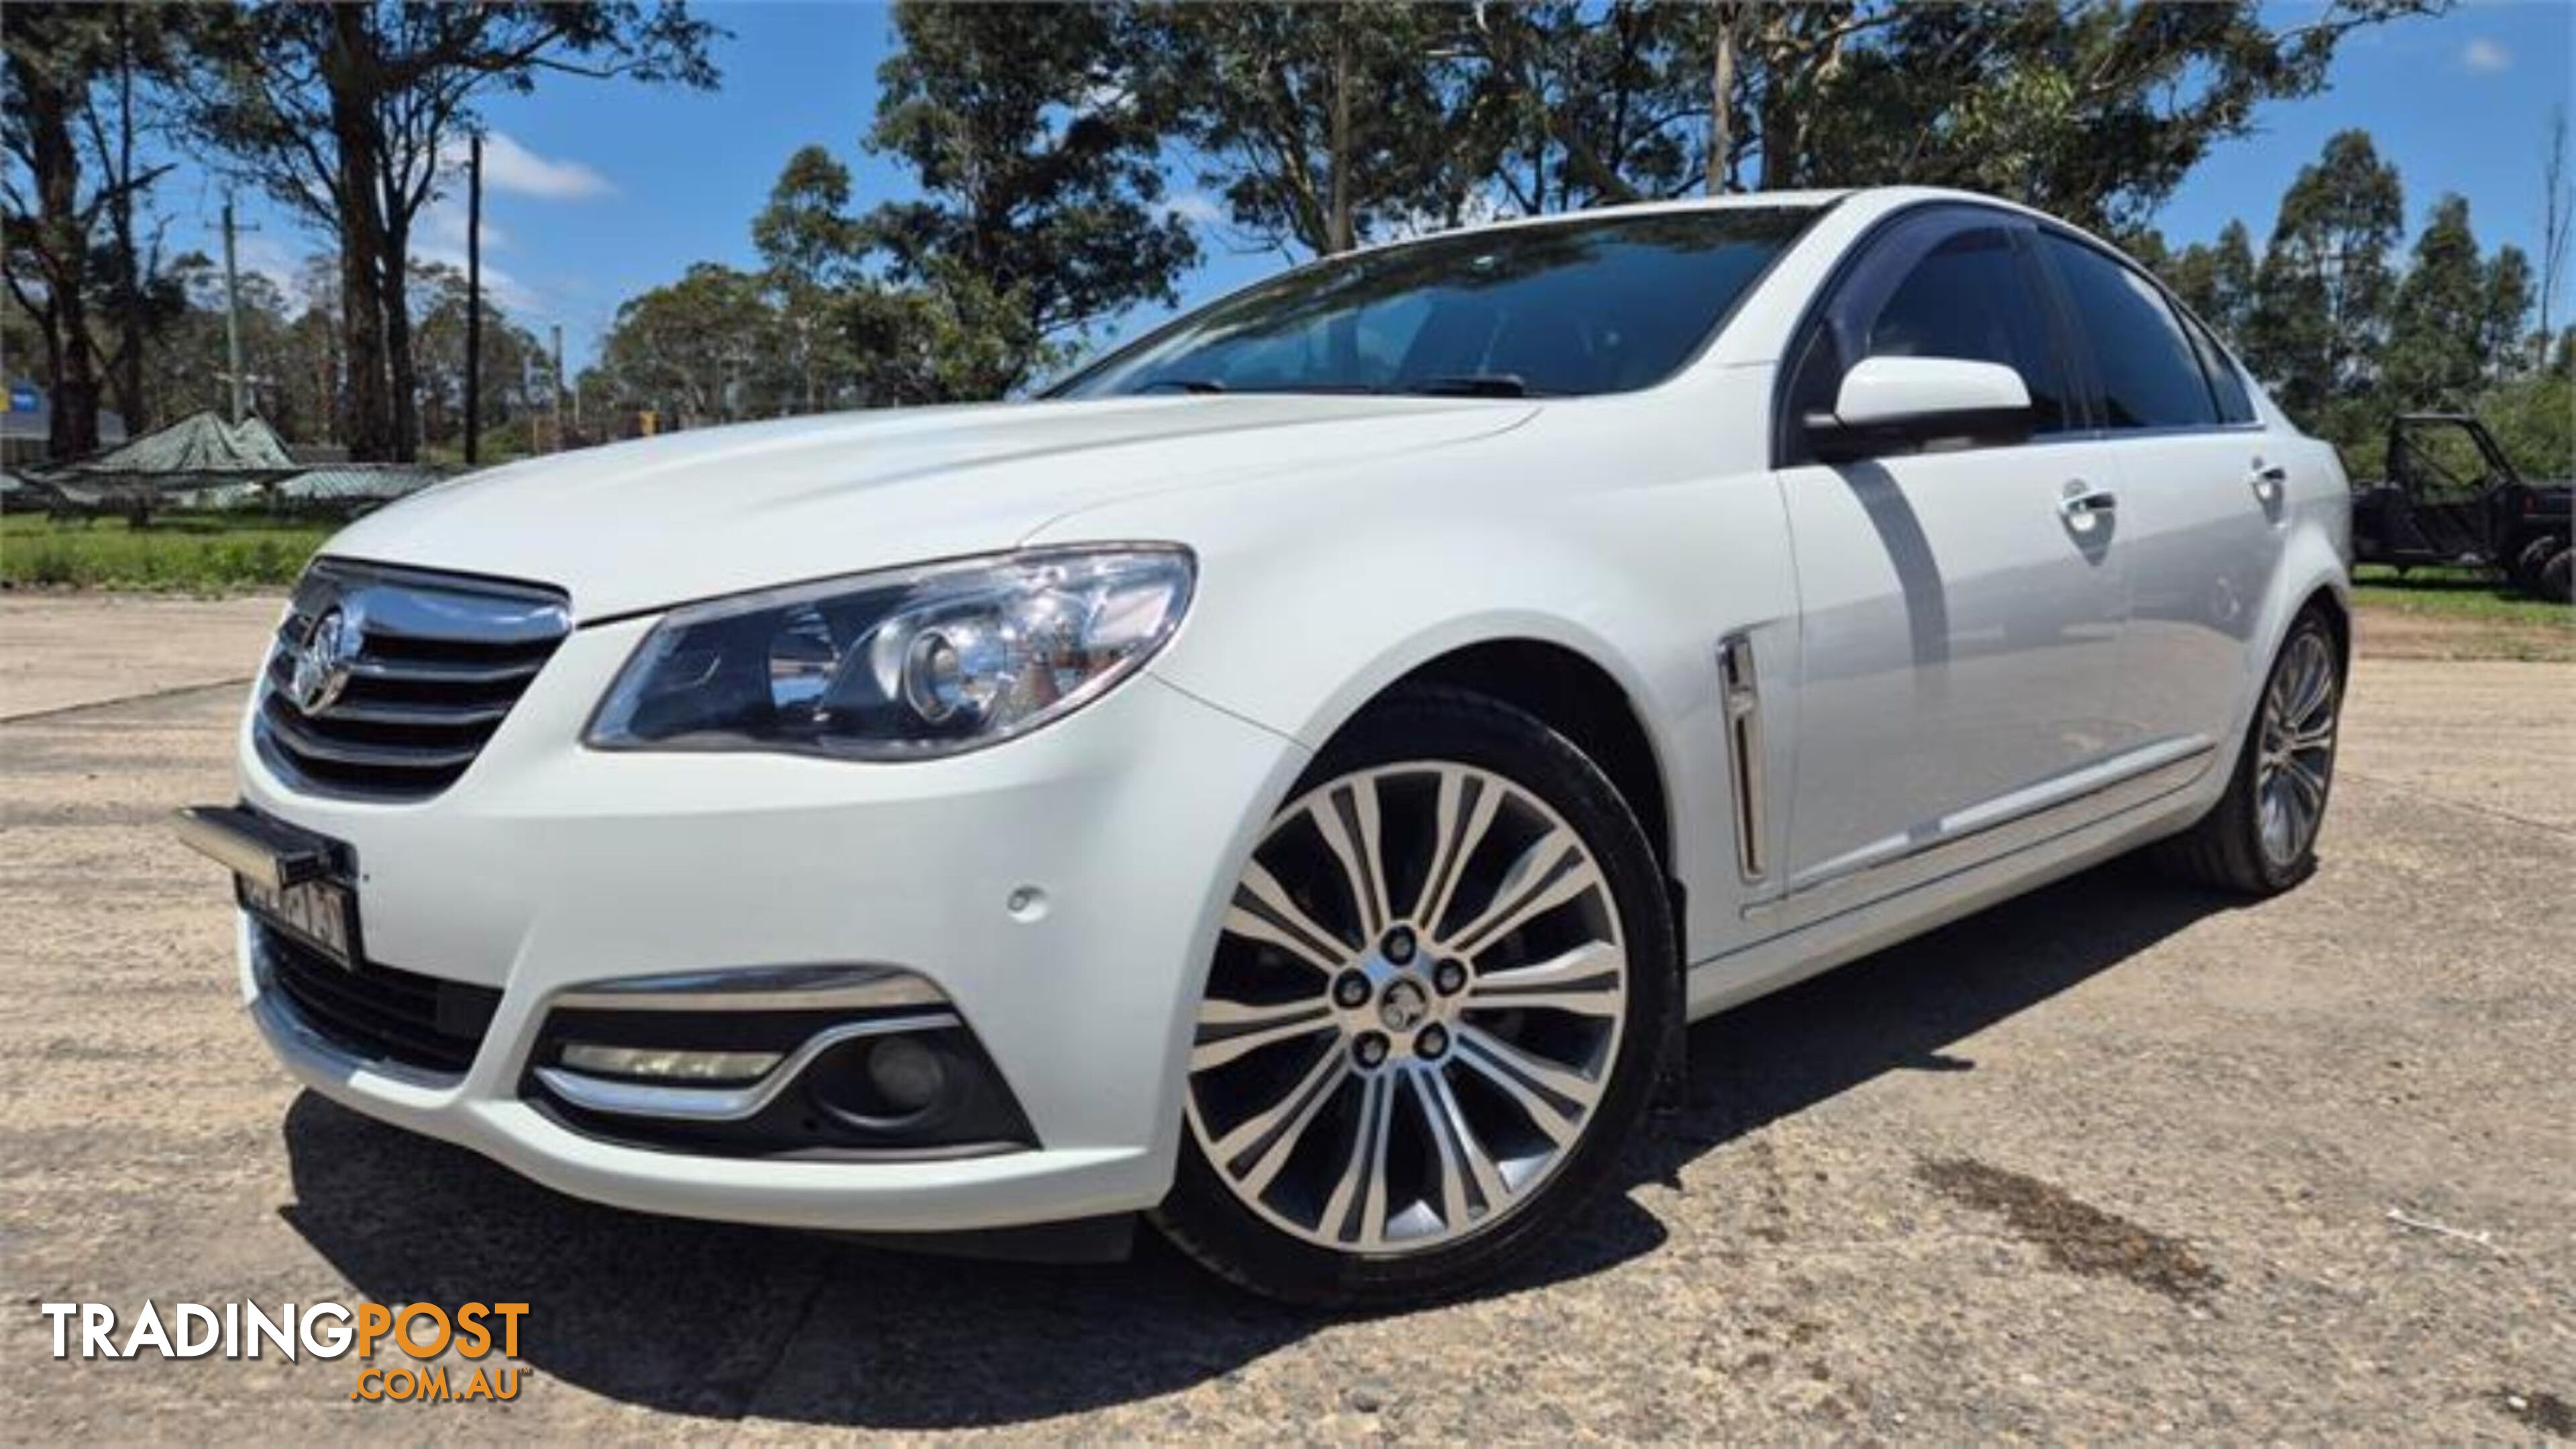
<point>1063,890</point>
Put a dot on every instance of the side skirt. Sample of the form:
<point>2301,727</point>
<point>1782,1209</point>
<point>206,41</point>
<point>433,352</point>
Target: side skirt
<point>2036,849</point>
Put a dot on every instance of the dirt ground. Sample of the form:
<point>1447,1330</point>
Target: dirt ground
<point>2119,1160</point>
<point>2396,633</point>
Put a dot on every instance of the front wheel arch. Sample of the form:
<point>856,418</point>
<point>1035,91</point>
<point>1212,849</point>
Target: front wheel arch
<point>1572,695</point>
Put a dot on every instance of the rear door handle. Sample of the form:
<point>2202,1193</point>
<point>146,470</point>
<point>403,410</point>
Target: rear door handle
<point>2266,481</point>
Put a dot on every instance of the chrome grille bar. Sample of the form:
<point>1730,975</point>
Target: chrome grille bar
<point>385,683</point>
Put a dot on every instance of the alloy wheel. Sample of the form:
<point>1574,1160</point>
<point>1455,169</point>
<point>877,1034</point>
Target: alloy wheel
<point>1413,1011</point>
<point>2296,759</point>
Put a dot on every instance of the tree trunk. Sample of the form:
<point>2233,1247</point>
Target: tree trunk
<point>127,374</point>
<point>63,256</point>
<point>1341,238</point>
<point>1784,74</point>
<point>367,425</point>
<point>1721,115</point>
<point>399,364</point>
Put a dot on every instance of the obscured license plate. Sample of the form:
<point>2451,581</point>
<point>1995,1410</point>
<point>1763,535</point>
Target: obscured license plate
<point>323,914</point>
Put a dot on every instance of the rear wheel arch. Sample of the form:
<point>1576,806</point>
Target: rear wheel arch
<point>2326,601</point>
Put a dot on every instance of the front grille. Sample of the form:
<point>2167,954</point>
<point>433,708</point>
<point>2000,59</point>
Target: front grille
<point>385,683</point>
<point>377,1011</point>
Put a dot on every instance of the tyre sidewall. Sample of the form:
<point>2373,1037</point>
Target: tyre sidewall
<point>1202,1213</point>
<point>2282,876</point>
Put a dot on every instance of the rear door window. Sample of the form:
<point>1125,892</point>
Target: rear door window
<point>2149,372</point>
<point>2235,403</point>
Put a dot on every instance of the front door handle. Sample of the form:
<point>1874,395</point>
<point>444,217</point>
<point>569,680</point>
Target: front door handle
<point>2082,507</point>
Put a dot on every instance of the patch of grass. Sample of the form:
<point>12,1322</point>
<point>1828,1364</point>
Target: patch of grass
<point>2454,594</point>
<point>179,553</point>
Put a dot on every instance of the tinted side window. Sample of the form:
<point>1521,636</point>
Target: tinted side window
<point>2235,404</point>
<point>1969,298</point>
<point>1968,295</point>
<point>2151,377</point>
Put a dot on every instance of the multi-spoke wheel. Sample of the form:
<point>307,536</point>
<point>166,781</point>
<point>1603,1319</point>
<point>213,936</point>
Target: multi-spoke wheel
<point>2261,837</point>
<point>2296,748</point>
<point>1429,1002</point>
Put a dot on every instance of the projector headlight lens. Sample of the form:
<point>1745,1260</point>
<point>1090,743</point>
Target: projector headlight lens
<point>903,665</point>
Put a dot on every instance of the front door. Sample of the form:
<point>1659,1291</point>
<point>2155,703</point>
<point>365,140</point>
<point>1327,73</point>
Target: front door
<point>1961,611</point>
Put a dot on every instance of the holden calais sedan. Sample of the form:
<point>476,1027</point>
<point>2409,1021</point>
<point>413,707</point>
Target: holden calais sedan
<point>1293,781</point>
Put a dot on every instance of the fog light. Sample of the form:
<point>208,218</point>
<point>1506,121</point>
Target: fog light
<point>667,1064</point>
<point>906,1073</point>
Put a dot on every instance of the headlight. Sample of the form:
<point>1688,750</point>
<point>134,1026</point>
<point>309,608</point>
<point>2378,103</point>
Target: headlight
<point>903,665</point>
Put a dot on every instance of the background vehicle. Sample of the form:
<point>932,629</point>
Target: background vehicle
<point>2453,498</point>
<point>1297,782</point>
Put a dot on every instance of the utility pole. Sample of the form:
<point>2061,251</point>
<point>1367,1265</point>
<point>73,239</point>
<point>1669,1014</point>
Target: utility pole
<point>556,392</point>
<point>232,311</point>
<point>473,298</point>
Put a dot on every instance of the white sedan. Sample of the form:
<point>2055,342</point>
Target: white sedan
<point>1294,780</point>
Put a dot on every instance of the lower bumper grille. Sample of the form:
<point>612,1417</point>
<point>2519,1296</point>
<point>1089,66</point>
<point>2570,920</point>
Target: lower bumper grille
<point>379,1012</point>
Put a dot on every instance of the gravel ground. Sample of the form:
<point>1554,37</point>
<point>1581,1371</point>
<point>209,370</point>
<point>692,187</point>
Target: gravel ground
<point>2115,1161</point>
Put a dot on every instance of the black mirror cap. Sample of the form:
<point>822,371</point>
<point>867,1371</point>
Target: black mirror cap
<point>1830,440</point>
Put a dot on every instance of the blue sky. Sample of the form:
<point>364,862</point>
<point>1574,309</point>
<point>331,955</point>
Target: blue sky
<point>596,191</point>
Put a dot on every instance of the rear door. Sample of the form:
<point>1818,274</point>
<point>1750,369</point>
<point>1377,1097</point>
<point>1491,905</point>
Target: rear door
<point>2201,484</point>
<point>1960,610</point>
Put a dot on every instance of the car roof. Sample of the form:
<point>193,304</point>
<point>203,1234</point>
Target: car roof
<point>1876,199</point>
<point>1733,201</point>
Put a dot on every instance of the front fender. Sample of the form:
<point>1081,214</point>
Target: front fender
<point>1315,598</point>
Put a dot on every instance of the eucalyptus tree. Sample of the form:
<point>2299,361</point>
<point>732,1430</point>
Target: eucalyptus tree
<point>350,115</point>
<point>82,82</point>
<point>1037,151</point>
<point>2323,289</point>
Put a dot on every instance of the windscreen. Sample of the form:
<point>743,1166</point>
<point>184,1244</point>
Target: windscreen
<point>1575,308</point>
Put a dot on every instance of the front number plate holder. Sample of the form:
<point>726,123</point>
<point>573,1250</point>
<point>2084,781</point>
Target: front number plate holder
<point>294,881</point>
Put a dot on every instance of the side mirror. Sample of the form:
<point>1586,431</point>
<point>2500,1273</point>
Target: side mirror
<point>1901,404</point>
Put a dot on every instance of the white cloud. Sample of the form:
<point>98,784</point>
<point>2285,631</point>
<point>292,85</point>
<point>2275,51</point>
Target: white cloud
<point>441,239</point>
<point>442,224</point>
<point>509,166</point>
<point>264,255</point>
<point>1197,208</point>
<point>500,288</point>
<point>2485,56</point>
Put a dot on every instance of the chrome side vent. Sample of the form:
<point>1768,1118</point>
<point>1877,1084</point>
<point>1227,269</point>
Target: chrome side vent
<point>385,683</point>
<point>1741,690</point>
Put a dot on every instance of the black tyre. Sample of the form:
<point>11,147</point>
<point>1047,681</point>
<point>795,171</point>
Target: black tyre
<point>2531,564</point>
<point>1435,1015</point>
<point>2261,837</point>
<point>2557,583</point>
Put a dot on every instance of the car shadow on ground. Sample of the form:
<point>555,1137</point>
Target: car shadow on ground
<point>716,1320</point>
